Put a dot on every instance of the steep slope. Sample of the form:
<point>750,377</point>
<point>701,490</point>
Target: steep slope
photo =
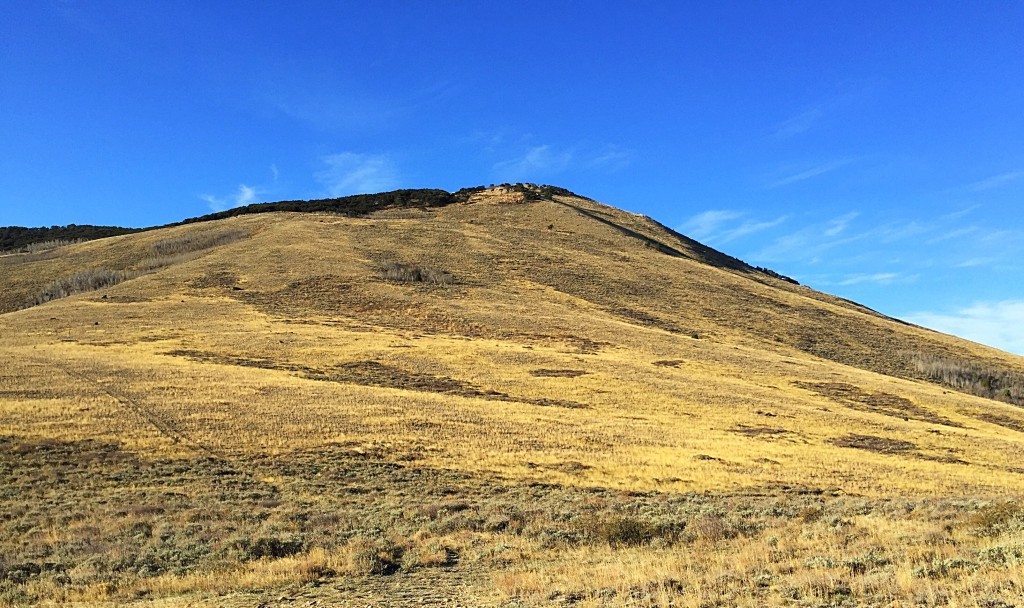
<point>488,347</point>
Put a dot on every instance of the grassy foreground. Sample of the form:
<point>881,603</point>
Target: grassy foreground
<point>289,410</point>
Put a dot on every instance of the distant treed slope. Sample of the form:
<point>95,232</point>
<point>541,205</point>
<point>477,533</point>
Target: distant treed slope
<point>363,204</point>
<point>351,206</point>
<point>17,238</point>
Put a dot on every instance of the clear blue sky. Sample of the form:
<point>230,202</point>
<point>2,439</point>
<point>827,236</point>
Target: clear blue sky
<point>870,149</point>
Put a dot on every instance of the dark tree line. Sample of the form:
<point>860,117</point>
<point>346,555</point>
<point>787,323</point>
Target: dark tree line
<point>17,238</point>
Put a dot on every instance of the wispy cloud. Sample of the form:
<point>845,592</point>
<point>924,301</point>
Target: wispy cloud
<point>976,262</point>
<point>274,172</point>
<point>880,278</point>
<point>245,195</point>
<point>809,173</point>
<point>488,141</point>
<point>996,181</point>
<point>811,241</point>
<point>998,324</point>
<point>837,226</point>
<point>522,158</point>
<point>537,161</point>
<point>800,123</point>
<point>336,104</point>
<point>610,158</point>
<point>747,228</point>
<point>959,213</point>
<point>707,223</point>
<point>722,226</point>
<point>955,234</point>
<point>351,173</point>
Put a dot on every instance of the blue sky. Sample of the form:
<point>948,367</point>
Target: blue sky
<point>874,150</point>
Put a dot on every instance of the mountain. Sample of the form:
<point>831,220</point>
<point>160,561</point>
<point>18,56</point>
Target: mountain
<point>513,394</point>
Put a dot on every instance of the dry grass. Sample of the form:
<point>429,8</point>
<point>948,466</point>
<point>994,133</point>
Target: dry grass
<point>272,420</point>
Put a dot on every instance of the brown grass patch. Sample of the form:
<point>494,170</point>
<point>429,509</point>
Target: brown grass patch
<point>558,373</point>
<point>882,445</point>
<point>879,402</point>
<point>1009,422</point>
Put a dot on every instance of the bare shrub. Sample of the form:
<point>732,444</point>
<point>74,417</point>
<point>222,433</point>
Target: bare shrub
<point>156,263</point>
<point>188,243</point>
<point>48,245</point>
<point>268,547</point>
<point>412,273</point>
<point>997,518</point>
<point>87,280</point>
<point>174,250</point>
<point>374,556</point>
<point>631,531</point>
<point>972,377</point>
<point>710,529</point>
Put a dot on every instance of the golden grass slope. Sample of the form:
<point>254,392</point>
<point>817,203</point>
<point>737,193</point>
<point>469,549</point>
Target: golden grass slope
<point>577,347</point>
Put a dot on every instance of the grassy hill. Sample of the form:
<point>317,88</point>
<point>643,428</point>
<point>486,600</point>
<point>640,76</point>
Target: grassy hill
<point>517,397</point>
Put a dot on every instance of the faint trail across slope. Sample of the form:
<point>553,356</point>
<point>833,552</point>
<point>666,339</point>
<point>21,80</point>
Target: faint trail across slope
<point>163,426</point>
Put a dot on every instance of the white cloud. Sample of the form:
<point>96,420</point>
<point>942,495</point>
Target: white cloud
<point>538,160</point>
<point>955,215</point>
<point>995,181</point>
<point>839,224</point>
<point>747,228</point>
<point>350,173</point>
<point>893,232</point>
<point>882,278</point>
<point>274,172</point>
<point>953,234</point>
<point>611,158</point>
<point>975,262</point>
<point>810,242</point>
<point>707,223</point>
<point>246,195</point>
<point>998,324</point>
<point>532,162</point>
<point>809,173</point>
<point>720,226</point>
<point>800,123</point>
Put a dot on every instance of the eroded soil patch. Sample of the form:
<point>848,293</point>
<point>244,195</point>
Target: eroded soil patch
<point>1015,424</point>
<point>872,443</point>
<point>374,373</point>
<point>558,373</point>
<point>765,432</point>
<point>881,403</point>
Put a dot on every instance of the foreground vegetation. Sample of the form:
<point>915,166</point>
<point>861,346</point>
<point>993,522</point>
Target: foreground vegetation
<point>124,528</point>
<point>509,402</point>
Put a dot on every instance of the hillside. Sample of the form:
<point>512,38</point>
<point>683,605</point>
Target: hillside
<point>517,397</point>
